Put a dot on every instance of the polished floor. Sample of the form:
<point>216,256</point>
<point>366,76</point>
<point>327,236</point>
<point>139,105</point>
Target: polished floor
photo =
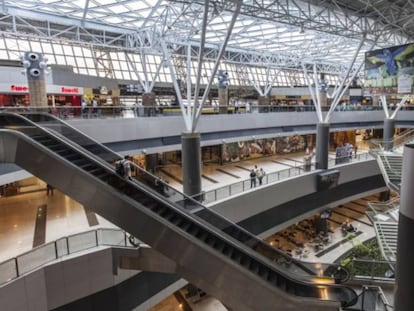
<point>31,219</point>
<point>20,228</point>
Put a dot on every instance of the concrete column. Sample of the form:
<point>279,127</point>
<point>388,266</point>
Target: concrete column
<point>264,101</point>
<point>324,99</point>
<point>37,93</point>
<point>375,100</point>
<point>323,88</point>
<point>322,145</point>
<point>151,162</point>
<point>191,162</point>
<point>148,99</point>
<point>405,252</point>
<point>389,126</point>
<point>223,100</point>
<point>35,66</point>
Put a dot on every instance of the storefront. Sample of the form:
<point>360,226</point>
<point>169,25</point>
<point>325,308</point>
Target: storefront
<point>245,150</point>
<point>58,95</point>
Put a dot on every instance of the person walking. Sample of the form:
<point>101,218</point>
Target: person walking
<point>49,190</point>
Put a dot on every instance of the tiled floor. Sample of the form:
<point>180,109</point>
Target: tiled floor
<point>66,217</point>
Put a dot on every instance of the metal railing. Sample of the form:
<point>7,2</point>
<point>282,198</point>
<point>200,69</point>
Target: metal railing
<point>299,168</point>
<point>41,255</point>
<point>372,298</point>
<point>396,142</point>
<point>134,111</point>
<point>372,269</point>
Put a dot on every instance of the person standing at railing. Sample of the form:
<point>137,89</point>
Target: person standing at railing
<point>95,108</point>
<point>253,178</point>
<point>247,107</point>
<point>84,109</point>
<point>260,175</point>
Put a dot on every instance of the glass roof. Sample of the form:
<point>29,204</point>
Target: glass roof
<point>297,28</point>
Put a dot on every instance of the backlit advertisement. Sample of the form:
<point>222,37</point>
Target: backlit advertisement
<point>390,70</point>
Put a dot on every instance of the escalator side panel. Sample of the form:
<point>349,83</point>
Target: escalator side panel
<point>196,262</point>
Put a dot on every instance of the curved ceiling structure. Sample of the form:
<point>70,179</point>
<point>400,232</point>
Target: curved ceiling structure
<point>285,33</point>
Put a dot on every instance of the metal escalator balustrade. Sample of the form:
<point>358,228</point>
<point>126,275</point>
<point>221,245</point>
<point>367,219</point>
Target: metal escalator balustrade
<point>69,132</point>
<point>305,270</point>
<point>186,222</point>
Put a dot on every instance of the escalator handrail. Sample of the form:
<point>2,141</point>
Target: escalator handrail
<point>116,155</point>
<point>205,226</point>
<point>298,263</point>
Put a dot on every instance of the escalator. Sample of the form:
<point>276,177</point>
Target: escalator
<point>304,270</point>
<point>205,256</point>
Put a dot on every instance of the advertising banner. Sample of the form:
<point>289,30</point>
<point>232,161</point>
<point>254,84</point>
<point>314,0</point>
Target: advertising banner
<point>390,70</point>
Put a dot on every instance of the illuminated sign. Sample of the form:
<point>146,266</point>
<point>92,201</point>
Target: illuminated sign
<point>19,88</point>
<point>70,90</point>
<point>389,70</point>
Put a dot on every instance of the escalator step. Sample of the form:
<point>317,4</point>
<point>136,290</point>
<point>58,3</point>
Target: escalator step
<point>219,246</point>
<point>204,236</point>
<point>264,272</point>
<point>165,213</point>
<point>80,161</point>
<point>193,230</point>
<point>211,240</point>
<point>88,167</point>
<point>236,256</point>
<point>102,175</point>
<point>174,218</point>
<point>56,147</point>
<point>254,267</point>
<point>226,250</point>
<point>185,225</point>
<point>68,154</point>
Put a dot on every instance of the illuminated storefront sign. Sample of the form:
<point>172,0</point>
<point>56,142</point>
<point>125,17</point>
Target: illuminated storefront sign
<point>70,90</point>
<point>19,88</point>
<point>50,89</point>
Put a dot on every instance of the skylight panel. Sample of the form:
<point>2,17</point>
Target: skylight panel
<point>114,20</point>
<point>79,3</point>
<point>119,9</point>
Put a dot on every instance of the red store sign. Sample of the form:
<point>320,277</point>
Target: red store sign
<point>70,90</point>
<point>19,88</point>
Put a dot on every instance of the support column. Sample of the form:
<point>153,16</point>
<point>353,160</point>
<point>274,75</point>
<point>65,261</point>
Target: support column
<point>323,91</point>
<point>223,91</point>
<point>322,145</point>
<point>375,100</point>
<point>405,252</point>
<point>191,162</point>
<point>151,162</point>
<point>323,99</point>
<point>148,100</point>
<point>35,71</point>
<point>389,127</point>
<point>223,100</point>
<point>264,101</point>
